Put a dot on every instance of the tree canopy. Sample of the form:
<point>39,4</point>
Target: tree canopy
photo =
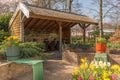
<point>4,21</point>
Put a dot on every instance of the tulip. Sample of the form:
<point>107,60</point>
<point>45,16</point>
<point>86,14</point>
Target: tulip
<point>91,77</point>
<point>79,78</point>
<point>114,77</point>
<point>9,44</point>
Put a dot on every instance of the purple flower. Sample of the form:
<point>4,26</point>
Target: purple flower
<point>99,75</point>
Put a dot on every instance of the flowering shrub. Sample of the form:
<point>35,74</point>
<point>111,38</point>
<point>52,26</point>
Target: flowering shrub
<point>101,40</point>
<point>11,41</point>
<point>96,71</point>
<point>115,39</point>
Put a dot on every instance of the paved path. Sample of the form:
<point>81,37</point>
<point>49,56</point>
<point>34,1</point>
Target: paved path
<point>57,70</point>
<point>53,70</point>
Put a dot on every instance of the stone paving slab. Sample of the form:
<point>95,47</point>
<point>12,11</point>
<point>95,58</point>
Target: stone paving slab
<point>57,70</point>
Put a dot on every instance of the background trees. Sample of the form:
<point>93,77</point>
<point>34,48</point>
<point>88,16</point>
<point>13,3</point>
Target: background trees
<point>4,21</point>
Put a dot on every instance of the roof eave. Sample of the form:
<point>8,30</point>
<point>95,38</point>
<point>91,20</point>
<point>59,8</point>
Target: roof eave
<point>61,19</point>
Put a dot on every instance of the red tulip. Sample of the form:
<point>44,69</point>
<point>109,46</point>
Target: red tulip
<point>79,78</point>
<point>114,77</point>
<point>9,44</point>
<point>91,77</point>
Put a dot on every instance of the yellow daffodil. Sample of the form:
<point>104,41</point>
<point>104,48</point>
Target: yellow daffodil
<point>100,70</point>
<point>119,69</point>
<point>82,66</point>
<point>83,60</point>
<point>105,75</point>
<point>92,66</point>
<point>12,40</point>
<point>75,71</point>
<point>106,79</point>
<point>115,67</point>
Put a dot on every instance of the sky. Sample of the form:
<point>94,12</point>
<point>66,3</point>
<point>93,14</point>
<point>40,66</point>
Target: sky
<point>86,4</point>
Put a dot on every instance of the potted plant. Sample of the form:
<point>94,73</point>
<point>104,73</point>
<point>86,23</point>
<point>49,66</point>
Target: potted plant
<point>11,45</point>
<point>101,45</point>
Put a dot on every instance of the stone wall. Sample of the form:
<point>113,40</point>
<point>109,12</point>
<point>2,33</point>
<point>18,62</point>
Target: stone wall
<point>13,71</point>
<point>74,57</point>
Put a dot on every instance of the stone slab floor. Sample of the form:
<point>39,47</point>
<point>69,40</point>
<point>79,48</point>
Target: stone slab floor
<point>57,70</point>
<point>53,70</point>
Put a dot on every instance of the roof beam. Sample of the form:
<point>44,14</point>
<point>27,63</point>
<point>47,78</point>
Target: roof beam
<point>38,25</point>
<point>27,22</point>
<point>51,24</point>
<point>60,19</point>
<point>31,24</point>
<point>45,24</point>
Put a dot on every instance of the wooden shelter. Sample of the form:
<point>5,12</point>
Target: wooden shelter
<point>36,18</point>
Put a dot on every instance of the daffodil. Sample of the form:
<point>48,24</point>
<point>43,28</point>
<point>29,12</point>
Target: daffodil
<point>115,67</point>
<point>75,71</point>
<point>100,70</point>
<point>82,66</point>
<point>10,41</point>
<point>92,66</point>
<point>83,60</point>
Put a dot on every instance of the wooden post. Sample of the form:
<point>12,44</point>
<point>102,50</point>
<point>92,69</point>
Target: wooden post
<point>60,37</point>
<point>84,26</point>
<point>84,35</point>
<point>21,27</point>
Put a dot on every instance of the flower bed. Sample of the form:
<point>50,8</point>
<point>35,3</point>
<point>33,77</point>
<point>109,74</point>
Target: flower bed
<point>96,71</point>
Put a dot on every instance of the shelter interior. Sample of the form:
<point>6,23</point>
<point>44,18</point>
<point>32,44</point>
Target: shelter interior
<point>32,23</point>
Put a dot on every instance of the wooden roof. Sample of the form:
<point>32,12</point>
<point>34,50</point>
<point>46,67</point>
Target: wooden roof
<point>41,19</point>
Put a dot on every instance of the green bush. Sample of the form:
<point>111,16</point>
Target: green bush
<point>3,34</point>
<point>110,45</point>
<point>31,49</point>
<point>4,22</point>
<point>81,46</point>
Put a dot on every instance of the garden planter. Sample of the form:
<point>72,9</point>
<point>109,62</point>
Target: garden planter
<point>12,53</point>
<point>100,47</point>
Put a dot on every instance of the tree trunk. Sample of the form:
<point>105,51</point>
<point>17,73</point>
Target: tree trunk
<point>69,6</point>
<point>101,19</point>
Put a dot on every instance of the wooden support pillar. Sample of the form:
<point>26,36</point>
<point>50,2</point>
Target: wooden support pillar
<point>22,32</point>
<point>84,35</point>
<point>84,26</point>
<point>21,27</point>
<point>60,37</point>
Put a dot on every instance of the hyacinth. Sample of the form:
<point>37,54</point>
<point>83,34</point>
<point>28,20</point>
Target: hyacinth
<point>96,70</point>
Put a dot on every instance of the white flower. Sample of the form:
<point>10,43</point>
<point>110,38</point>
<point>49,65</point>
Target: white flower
<point>96,63</point>
<point>96,66</point>
<point>108,64</point>
<point>104,64</point>
<point>100,63</point>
